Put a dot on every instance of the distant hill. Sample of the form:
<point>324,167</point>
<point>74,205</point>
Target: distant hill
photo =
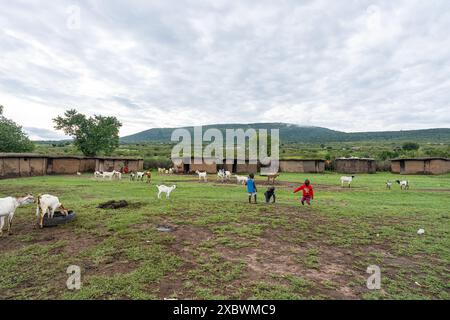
<point>294,133</point>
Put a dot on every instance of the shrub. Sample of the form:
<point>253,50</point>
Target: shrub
<point>157,162</point>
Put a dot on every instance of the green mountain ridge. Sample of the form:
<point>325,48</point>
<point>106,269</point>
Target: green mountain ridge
<point>290,133</point>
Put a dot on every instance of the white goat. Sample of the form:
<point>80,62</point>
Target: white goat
<point>347,180</point>
<point>223,175</point>
<point>98,174</point>
<point>241,179</point>
<point>202,175</point>
<point>166,190</point>
<point>140,176</point>
<point>8,207</point>
<point>389,185</point>
<point>132,176</point>
<point>47,204</point>
<point>404,184</point>
<point>118,175</point>
<point>109,175</point>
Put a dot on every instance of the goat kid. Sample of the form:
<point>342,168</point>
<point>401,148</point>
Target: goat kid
<point>98,174</point>
<point>272,177</point>
<point>241,179</point>
<point>140,176</point>
<point>166,190</point>
<point>202,176</point>
<point>389,185</point>
<point>148,174</point>
<point>223,175</point>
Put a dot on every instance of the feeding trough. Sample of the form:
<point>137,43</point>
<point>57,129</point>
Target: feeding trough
<point>59,218</point>
<point>165,228</point>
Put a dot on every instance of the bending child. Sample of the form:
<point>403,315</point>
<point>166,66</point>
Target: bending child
<point>270,194</point>
<point>308,192</point>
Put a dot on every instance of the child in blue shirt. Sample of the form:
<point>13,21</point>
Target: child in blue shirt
<point>251,188</point>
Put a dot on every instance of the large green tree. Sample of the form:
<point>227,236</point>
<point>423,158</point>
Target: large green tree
<point>410,146</point>
<point>91,135</point>
<point>12,138</point>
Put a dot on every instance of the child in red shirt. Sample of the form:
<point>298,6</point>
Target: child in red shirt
<point>308,192</point>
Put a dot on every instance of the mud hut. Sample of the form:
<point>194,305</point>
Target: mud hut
<point>355,165</point>
<point>26,165</point>
<point>240,166</point>
<point>190,165</point>
<point>22,165</point>
<point>111,163</point>
<point>432,165</point>
<point>302,165</point>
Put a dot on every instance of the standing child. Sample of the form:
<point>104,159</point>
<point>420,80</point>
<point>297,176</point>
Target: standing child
<point>308,192</point>
<point>251,187</point>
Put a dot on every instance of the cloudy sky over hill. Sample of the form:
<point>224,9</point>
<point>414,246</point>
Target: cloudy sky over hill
<point>353,66</point>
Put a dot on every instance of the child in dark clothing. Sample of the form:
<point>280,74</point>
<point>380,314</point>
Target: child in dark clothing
<point>308,192</point>
<point>270,193</point>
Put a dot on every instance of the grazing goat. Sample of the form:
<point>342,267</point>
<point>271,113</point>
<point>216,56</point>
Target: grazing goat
<point>47,204</point>
<point>404,184</point>
<point>166,190</point>
<point>140,176</point>
<point>117,175</point>
<point>109,175</point>
<point>347,180</point>
<point>223,175</point>
<point>389,185</point>
<point>78,173</point>
<point>148,174</point>
<point>98,174</point>
<point>241,179</point>
<point>202,175</point>
<point>132,176</point>
<point>8,207</point>
<point>161,170</point>
<point>272,177</point>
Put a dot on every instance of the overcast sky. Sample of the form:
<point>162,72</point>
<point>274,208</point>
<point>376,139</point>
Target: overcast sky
<point>346,65</point>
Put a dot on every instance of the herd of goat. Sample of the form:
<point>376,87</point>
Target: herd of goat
<point>48,204</point>
<point>134,176</point>
<point>404,184</point>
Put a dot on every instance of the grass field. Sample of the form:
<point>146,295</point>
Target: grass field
<point>225,248</point>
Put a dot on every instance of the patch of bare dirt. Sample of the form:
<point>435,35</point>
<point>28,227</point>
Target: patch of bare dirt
<point>116,264</point>
<point>272,255</point>
<point>28,233</point>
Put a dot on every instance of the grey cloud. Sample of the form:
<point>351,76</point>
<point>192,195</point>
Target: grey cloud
<point>362,66</point>
<point>43,134</point>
